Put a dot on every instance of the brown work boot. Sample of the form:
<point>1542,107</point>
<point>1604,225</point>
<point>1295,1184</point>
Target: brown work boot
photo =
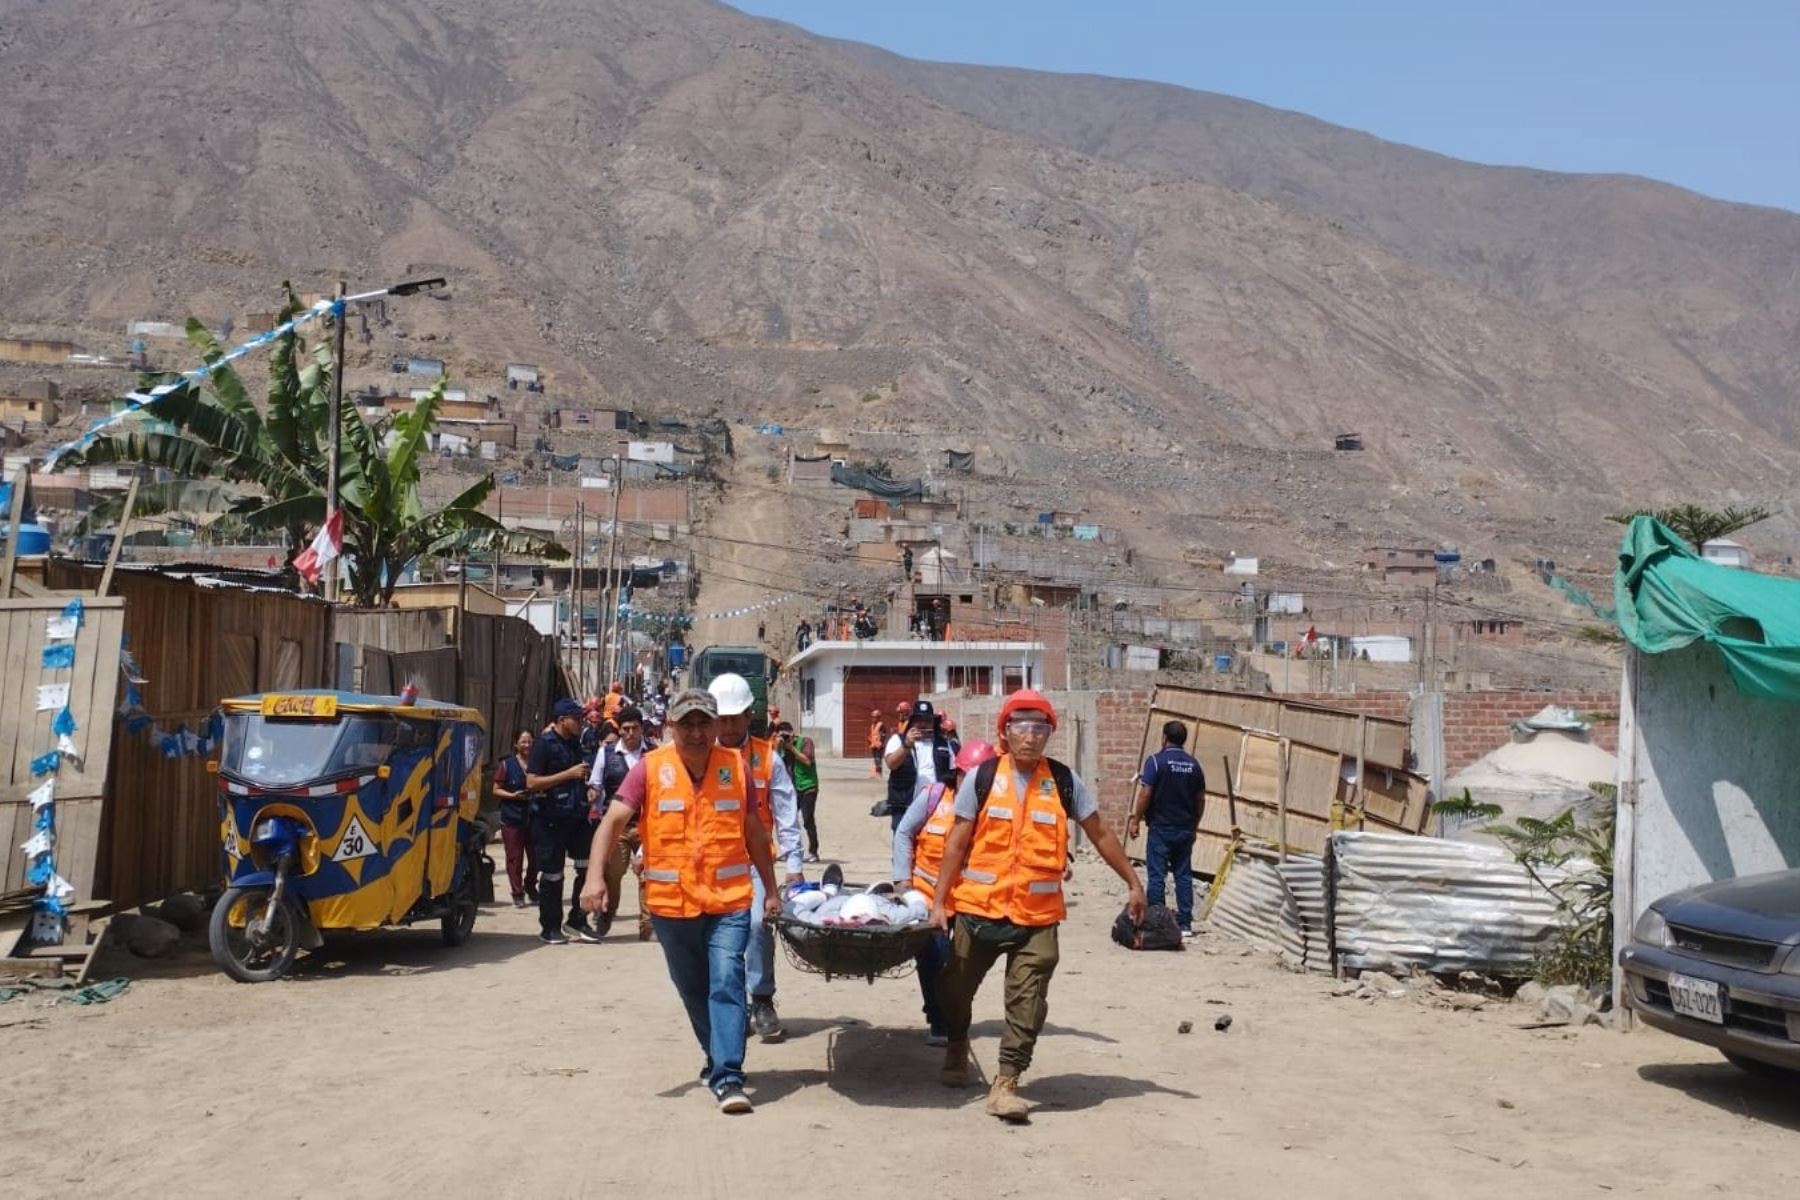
<point>1004,1101</point>
<point>956,1065</point>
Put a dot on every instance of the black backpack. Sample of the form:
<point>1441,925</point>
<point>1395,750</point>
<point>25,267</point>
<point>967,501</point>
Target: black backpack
<point>1160,930</point>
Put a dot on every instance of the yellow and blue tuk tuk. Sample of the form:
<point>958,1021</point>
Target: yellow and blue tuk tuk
<point>344,811</point>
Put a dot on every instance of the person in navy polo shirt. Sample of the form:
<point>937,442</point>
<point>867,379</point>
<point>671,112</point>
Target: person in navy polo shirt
<point>1171,795</point>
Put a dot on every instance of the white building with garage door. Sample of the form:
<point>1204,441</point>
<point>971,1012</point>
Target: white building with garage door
<point>838,684</point>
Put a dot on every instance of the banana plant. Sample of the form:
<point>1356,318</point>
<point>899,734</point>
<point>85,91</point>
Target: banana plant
<point>269,467</point>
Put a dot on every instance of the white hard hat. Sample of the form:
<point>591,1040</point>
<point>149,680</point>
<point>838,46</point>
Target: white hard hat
<point>732,694</point>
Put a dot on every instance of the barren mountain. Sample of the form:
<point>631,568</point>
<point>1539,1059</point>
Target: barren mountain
<point>1157,302</point>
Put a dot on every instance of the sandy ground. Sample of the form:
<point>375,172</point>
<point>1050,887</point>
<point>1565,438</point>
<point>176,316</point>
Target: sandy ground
<point>391,1065</point>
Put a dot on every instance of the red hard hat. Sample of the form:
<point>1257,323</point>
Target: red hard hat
<point>1026,698</point>
<point>947,725</point>
<point>616,686</point>
<point>905,706</point>
<point>876,714</point>
<point>973,755</point>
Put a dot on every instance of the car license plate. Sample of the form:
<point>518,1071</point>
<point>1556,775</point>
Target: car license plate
<point>1697,998</point>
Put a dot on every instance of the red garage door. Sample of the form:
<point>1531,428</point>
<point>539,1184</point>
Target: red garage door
<point>870,688</point>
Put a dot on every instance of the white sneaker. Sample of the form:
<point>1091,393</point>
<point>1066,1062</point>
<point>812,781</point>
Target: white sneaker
<point>732,1100</point>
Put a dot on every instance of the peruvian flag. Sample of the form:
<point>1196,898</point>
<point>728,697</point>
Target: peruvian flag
<point>312,561</point>
<point>1312,635</point>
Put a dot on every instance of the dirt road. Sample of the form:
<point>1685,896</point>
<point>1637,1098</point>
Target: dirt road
<point>391,1066</point>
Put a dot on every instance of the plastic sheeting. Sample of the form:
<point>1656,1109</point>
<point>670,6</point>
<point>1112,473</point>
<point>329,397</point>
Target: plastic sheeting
<point>875,485</point>
<point>1400,902</point>
<point>959,460</point>
<point>1669,597</point>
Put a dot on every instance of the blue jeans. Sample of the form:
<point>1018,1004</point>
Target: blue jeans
<point>1169,849</point>
<point>759,947</point>
<point>705,956</point>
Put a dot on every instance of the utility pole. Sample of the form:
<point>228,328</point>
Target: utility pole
<point>334,422</point>
<point>614,557</point>
<point>580,601</point>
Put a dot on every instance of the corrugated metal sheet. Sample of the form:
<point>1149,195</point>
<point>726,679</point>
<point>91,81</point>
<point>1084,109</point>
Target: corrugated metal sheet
<point>1304,877</point>
<point>1444,907</point>
<point>1255,905</point>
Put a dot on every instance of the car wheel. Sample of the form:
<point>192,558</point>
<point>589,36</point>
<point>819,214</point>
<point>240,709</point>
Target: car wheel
<point>1765,1070</point>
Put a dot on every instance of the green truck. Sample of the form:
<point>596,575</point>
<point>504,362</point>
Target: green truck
<point>751,662</point>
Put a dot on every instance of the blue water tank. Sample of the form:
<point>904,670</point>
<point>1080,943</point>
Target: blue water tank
<point>33,539</point>
<point>1221,662</point>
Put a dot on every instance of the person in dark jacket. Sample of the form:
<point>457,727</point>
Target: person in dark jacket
<point>1171,796</point>
<point>917,757</point>
<point>515,821</point>
<point>558,774</point>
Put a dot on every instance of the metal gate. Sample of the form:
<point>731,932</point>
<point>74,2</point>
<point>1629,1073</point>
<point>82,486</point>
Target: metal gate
<point>870,688</point>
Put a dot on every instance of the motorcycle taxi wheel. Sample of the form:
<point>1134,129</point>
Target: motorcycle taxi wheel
<point>246,950</point>
<point>459,919</point>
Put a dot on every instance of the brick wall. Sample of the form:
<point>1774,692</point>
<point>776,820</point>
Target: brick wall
<point>1119,716</point>
<point>1478,722</point>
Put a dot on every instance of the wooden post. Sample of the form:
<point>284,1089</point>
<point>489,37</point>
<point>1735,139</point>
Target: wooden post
<point>1230,793</point>
<point>13,517</point>
<point>1362,746</point>
<point>1281,799</point>
<point>112,555</point>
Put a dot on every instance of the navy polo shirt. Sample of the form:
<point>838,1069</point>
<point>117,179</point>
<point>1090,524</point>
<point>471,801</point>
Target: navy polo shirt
<point>1177,788</point>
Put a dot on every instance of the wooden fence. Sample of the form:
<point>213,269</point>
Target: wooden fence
<point>194,646</point>
<point>25,733</point>
<point>158,831</point>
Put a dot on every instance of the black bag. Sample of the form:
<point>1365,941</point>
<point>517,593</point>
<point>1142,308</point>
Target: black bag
<point>1160,930</point>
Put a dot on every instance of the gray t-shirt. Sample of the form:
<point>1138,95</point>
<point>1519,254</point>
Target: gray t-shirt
<point>966,807</point>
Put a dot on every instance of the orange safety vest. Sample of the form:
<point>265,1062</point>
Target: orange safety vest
<point>609,707</point>
<point>1017,852</point>
<point>760,753</point>
<point>928,848</point>
<point>696,862</point>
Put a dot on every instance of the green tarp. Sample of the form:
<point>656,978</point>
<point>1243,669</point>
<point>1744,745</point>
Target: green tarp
<point>1669,597</point>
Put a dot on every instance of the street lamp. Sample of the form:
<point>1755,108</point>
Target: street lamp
<point>338,309</point>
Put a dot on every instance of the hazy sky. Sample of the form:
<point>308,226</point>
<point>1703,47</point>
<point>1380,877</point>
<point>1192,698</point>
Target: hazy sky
<point>1705,95</point>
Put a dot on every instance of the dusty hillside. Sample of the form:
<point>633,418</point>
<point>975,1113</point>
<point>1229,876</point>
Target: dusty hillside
<point>1149,301</point>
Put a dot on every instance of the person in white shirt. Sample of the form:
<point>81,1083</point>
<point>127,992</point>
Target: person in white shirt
<point>918,756</point>
<point>611,764</point>
<point>736,704</point>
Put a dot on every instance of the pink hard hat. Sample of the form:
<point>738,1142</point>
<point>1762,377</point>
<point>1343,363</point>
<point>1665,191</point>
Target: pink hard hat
<point>973,755</point>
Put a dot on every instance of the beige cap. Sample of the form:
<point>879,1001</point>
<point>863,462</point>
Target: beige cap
<point>693,700</point>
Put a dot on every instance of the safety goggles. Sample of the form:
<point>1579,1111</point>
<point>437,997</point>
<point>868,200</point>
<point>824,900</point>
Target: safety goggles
<point>1029,728</point>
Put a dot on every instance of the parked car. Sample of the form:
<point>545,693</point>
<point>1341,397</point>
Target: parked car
<point>1720,964</point>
